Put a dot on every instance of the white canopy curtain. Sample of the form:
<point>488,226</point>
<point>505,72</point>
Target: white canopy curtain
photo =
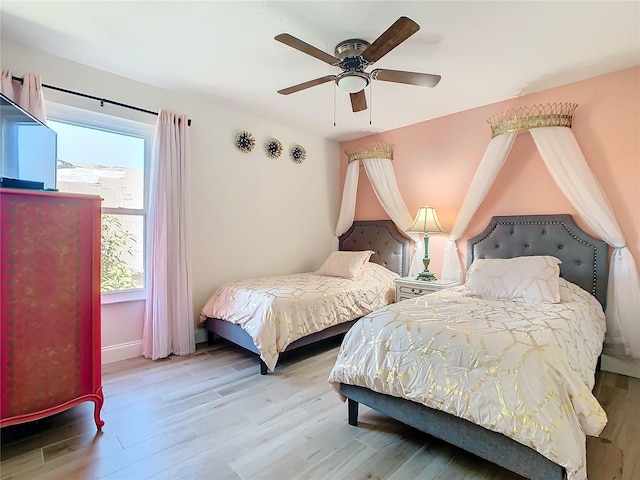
<point>377,163</point>
<point>168,319</point>
<point>491,163</point>
<point>27,95</point>
<point>549,127</point>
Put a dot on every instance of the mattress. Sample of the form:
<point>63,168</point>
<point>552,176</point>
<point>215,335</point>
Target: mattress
<point>278,310</point>
<point>522,370</point>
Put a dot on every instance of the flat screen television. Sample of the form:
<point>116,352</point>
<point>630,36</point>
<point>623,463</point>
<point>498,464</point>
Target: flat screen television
<point>28,147</point>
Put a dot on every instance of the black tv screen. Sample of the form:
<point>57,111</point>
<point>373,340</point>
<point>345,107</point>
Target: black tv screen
<point>28,147</point>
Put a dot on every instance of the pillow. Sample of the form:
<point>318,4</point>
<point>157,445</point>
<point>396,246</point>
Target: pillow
<point>565,290</point>
<point>345,264</point>
<point>522,279</point>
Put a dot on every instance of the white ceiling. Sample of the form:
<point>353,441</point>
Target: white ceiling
<point>485,51</point>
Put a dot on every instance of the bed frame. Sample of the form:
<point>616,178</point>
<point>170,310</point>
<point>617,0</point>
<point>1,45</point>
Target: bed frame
<point>392,250</point>
<point>584,262</point>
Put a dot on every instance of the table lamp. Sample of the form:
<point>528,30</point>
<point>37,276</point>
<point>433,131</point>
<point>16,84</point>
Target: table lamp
<point>426,222</point>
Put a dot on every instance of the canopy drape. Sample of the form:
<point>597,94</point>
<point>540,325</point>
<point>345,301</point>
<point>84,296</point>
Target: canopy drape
<point>348,205</point>
<point>568,167</point>
<point>491,163</point>
<point>383,179</point>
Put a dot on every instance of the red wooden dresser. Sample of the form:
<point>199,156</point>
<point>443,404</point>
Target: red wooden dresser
<point>50,304</point>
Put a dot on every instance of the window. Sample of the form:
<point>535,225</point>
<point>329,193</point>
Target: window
<point>109,157</point>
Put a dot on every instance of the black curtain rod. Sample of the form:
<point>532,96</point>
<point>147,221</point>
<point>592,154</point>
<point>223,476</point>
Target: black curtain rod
<point>101,100</point>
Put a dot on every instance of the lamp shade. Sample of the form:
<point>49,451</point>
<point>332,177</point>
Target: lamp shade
<point>426,222</point>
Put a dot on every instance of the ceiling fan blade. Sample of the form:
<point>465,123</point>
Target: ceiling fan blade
<point>358,101</point>
<point>305,85</point>
<point>306,48</point>
<point>410,78</point>
<point>397,33</point>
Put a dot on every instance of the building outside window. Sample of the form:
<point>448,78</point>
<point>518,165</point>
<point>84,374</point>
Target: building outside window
<point>109,157</point>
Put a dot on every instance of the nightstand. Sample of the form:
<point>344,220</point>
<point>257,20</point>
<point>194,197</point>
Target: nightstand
<point>409,287</point>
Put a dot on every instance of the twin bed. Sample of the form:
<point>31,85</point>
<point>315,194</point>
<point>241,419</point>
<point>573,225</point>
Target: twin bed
<point>272,315</point>
<point>502,367</point>
<point>509,381</point>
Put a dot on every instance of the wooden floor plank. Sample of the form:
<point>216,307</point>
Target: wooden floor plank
<point>290,429</point>
<point>199,467</point>
<point>339,464</point>
<point>21,463</point>
<point>633,402</point>
<point>464,466</point>
<point>614,401</point>
<point>390,457</point>
<point>631,461</point>
<point>604,461</point>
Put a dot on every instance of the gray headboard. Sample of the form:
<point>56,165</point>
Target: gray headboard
<point>585,259</point>
<point>392,249</point>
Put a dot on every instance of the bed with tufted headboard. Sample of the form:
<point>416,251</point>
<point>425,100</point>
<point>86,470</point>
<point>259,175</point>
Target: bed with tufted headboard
<point>391,249</point>
<point>584,264</point>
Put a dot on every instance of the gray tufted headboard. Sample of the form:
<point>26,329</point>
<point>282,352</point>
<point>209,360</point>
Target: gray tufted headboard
<point>584,258</point>
<point>392,249</point>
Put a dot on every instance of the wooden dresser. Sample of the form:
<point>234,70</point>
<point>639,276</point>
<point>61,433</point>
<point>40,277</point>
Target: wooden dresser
<point>50,304</point>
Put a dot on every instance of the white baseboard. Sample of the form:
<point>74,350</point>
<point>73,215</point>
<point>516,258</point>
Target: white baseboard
<point>114,353</point>
<point>615,365</point>
<point>122,351</point>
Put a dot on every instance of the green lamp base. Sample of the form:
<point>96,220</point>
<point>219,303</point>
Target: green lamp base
<point>426,276</point>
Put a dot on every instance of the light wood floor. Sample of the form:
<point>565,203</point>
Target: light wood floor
<point>212,416</point>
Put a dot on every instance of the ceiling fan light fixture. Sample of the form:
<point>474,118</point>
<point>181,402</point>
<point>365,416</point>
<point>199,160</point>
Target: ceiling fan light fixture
<point>352,82</point>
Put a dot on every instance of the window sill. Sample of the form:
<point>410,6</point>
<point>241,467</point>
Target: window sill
<point>123,296</point>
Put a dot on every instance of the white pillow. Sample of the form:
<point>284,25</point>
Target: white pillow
<point>522,279</point>
<point>345,264</point>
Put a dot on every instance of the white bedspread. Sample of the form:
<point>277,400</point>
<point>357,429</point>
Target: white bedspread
<point>278,310</point>
<point>526,371</point>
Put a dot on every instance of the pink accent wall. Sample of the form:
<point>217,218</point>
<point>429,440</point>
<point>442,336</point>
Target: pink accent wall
<point>435,161</point>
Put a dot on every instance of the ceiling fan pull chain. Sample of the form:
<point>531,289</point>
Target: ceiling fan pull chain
<point>370,101</point>
<point>334,103</point>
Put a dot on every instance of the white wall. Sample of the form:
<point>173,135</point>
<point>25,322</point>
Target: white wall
<point>251,215</point>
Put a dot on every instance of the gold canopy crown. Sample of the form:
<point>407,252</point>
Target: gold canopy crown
<point>524,118</point>
<point>374,150</point>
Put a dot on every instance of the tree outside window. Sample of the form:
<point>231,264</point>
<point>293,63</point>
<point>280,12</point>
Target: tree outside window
<point>116,245</point>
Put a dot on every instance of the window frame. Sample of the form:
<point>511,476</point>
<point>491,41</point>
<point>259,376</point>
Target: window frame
<point>120,125</point>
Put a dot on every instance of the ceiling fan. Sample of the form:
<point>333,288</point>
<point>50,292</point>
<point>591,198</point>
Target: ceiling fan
<point>353,56</point>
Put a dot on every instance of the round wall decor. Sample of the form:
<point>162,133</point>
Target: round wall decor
<point>273,148</point>
<point>245,141</point>
<point>298,154</point>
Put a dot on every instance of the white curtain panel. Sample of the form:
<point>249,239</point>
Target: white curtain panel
<point>491,163</point>
<point>568,167</point>
<point>28,95</point>
<point>348,204</point>
<point>383,179</point>
<point>168,320</point>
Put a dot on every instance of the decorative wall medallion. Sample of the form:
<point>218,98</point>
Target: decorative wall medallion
<point>273,148</point>
<point>245,141</point>
<point>298,154</point>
